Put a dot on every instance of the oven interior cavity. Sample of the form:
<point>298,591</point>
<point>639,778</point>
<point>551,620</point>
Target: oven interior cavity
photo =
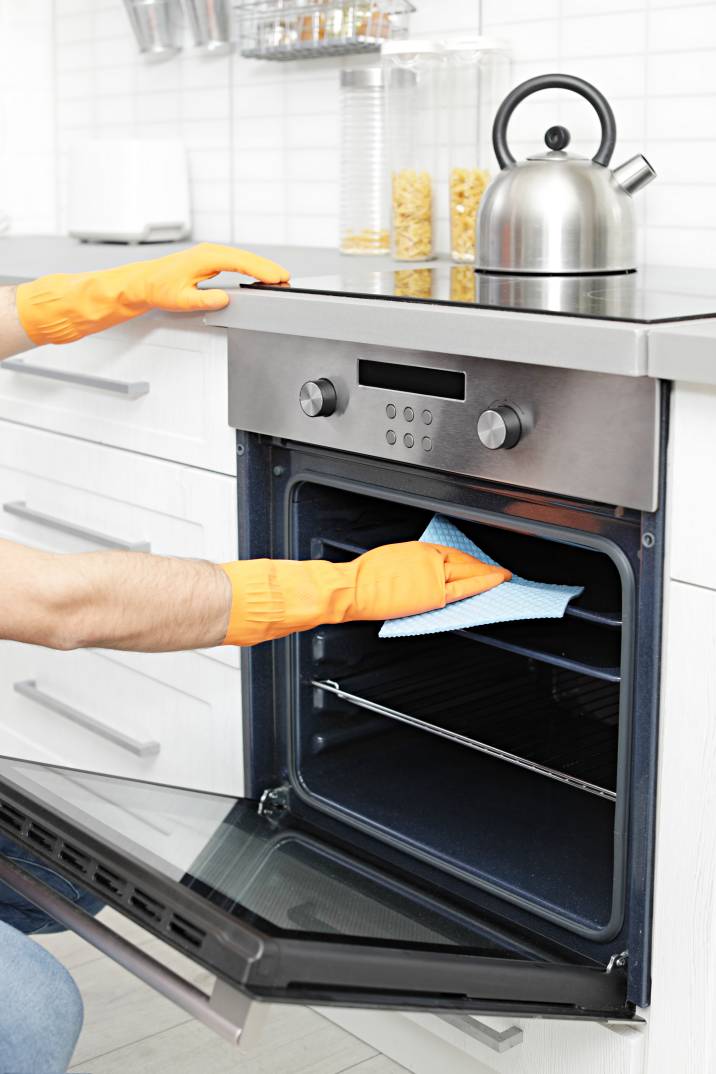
<point>493,753</point>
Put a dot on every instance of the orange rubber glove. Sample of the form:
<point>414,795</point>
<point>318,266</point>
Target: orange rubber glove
<point>273,598</point>
<point>63,308</point>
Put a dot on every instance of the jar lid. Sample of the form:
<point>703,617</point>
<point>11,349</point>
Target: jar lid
<point>363,78</point>
<point>473,44</point>
<point>401,46</point>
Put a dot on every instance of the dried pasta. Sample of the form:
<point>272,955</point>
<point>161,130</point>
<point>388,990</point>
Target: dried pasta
<point>467,185</point>
<point>413,283</point>
<point>412,215</point>
<point>367,241</point>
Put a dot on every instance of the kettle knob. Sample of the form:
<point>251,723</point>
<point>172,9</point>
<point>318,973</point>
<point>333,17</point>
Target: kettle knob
<point>557,138</point>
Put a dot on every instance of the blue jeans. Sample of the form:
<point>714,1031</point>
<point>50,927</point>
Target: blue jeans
<point>40,1008</point>
<point>21,914</point>
<point>40,1005</point>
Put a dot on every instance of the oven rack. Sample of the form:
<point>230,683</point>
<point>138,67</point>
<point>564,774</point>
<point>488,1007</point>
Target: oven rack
<point>491,717</point>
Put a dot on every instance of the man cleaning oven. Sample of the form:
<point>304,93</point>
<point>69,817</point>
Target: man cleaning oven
<point>146,603</point>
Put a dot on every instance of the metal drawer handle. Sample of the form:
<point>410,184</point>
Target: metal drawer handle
<point>28,688</point>
<point>130,389</point>
<point>20,508</point>
<point>491,1038</point>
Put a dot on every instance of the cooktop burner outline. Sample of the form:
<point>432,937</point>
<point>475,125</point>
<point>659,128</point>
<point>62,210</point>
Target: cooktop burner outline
<point>650,296</point>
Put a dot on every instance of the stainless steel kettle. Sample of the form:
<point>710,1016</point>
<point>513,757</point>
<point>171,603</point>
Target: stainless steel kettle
<point>556,213</point>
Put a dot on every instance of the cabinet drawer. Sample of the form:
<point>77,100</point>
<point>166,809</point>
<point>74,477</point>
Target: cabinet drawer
<point>65,495</point>
<point>426,1043</point>
<point>157,385</point>
<point>692,506</point>
<point>170,718</point>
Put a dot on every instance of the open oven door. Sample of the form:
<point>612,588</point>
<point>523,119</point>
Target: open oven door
<point>274,910</point>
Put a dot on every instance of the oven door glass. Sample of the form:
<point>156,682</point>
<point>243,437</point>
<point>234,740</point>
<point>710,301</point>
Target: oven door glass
<point>278,911</point>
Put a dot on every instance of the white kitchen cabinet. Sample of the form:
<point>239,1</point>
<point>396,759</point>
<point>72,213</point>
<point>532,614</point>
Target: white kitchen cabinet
<point>425,1044</point>
<point>64,495</point>
<point>172,718</point>
<point>682,1028</point>
<point>158,385</point>
<point>692,503</point>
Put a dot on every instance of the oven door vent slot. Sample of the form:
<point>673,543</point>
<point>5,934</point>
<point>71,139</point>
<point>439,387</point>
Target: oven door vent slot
<point>600,736</point>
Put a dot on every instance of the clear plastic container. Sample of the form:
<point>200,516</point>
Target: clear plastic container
<point>477,74</point>
<point>365,217</point>
<point>412,72</point>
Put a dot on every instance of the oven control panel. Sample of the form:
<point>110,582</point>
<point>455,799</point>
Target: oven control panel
<point>589,435</point>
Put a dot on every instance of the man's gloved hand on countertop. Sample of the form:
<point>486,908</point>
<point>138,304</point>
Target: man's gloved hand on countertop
<point>65,307</point>
<point>273,598</point>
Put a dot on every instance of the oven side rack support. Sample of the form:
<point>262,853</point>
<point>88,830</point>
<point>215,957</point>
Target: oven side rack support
<point>334,688</point>
<point>229,1013</point>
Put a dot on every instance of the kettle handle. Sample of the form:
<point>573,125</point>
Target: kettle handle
<point>541,82</point>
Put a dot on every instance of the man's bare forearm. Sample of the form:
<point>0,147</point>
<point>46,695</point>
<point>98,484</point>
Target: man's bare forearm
<point>13,338</point>
<point>113,600</point>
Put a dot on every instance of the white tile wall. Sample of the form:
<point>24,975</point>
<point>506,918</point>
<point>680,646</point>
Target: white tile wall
<point>263,138</point>
<point>27,121</point>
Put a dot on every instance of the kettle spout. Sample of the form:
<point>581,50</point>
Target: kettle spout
<point>634,174</point>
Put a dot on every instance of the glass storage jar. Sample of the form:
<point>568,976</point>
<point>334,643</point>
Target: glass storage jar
<point>412,70</point>
<point>477,72</point>
<point>364,197</point>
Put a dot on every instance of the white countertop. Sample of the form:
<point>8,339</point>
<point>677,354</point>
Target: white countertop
<point>684,350</point>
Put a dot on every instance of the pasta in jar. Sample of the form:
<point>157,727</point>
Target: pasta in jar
<point>412,215</point>
<point>467,185</point>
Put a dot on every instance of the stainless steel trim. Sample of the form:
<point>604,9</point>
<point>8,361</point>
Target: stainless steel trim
<point>330,687</point>
<point>129,389</point>
<point>28,688</point>
<point>227,1011</point>
<point>21,510</point>
<point>568,418</point>
<point>493,1039</point>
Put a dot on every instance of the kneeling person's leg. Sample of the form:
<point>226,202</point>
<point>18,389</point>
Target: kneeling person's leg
<point>23,915</point>
<point>40,1008</point>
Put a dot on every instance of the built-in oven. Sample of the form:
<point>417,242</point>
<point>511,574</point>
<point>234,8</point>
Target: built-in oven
<point>461,821</point>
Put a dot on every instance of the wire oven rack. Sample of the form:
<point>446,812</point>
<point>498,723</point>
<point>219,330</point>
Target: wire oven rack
<point>296,30</point>
<point>565,732</point>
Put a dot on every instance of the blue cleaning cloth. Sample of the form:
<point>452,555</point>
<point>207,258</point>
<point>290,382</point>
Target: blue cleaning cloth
<point>516,599</point>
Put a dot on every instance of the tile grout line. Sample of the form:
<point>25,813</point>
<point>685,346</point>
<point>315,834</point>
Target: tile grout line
<point>128,1044</point>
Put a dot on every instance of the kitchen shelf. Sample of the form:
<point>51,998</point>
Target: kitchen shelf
<point>290,30</point>
<point>566,731</point>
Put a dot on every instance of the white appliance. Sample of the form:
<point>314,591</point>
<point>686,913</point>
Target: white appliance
<point>129,190</point>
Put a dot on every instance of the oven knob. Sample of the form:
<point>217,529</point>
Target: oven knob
<point>499,427</point>
<point>318,398</point>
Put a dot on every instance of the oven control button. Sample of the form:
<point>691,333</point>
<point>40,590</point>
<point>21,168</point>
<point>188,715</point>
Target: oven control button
<point>409,440</point>
<point>499,428</point>
<point>427,444</point>
<point>318,398</point>
<point>427,417</point>
<point>409,414</point>
<point>391,410</point>
<point>391,436</point>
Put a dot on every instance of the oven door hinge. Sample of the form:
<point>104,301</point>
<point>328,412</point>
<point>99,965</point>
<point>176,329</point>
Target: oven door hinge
<point>618,962</point>
<point>273,803</point>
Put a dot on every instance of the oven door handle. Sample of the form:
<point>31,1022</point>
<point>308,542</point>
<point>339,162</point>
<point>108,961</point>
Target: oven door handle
<point>226,1011</point>
<point>493,1039</point>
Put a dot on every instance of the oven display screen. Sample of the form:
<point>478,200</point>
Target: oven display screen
<point>442,383</point>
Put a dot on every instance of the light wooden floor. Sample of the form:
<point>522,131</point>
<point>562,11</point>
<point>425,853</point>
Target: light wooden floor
<point>129,1027</point>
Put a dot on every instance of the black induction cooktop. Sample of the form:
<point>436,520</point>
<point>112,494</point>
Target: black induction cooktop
<point>649,296</point>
